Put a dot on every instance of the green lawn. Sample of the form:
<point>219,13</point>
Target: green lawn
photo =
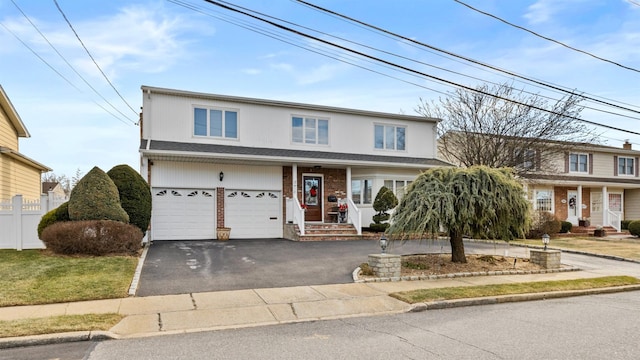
<point>626,248</point>
<point>58,324</point>
<point>466,292</point>
<point>32,277</point>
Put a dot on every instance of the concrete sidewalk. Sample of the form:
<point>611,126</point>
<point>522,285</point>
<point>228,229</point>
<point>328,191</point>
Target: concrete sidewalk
<point>170,314</point>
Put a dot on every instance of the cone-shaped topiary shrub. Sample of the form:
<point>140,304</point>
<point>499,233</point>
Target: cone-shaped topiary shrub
<point>95,197</point>
<point>135,195</point>
<point>385,201</point>
<point>61,213</point>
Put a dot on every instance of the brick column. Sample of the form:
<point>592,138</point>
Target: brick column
<point>220,207</point>
<point>385,265</point>
<point>548,259</point>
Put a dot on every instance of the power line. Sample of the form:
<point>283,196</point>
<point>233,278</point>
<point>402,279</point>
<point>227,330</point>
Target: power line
<point>411,70</point>
<point>546,37</point>
<point>67,62</point>
<point>409,59</point>
<point>459,56</point>
<point>54,69</point>
<point>92,59</point>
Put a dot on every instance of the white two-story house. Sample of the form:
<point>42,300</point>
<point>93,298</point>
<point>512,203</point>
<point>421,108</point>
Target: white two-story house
<point>265,167</point>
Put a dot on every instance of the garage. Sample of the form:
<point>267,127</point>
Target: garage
<point>183,214</point>
<point>253,213</point>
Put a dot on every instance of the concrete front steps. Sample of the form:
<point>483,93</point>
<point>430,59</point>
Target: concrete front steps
<point>322,232</point>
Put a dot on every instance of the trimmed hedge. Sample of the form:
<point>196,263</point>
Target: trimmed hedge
<point>565,227</point>
<point>634,228</point>
<point>92,237</point>
<point>543,222</point>
<point>61,213</point>
<point>95,197</point>
<point>624,224</point>
<point>135,195</point>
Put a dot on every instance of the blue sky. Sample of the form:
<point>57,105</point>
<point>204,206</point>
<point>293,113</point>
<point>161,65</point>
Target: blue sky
<point>160,43</point>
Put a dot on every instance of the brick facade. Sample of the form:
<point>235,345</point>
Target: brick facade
<point>220,207</point>
<point>335,183</point>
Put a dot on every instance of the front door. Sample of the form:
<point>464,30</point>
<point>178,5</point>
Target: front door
<point>312,194</point>
<point>572,207</point>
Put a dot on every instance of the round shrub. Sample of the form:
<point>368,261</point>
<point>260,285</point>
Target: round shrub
<point>634,228</point>
<point>95,197</point>
<point>61,213</point>
<point>135,195</point>
<point>543,222</point>
<point>565,227</point>
<point>92,237</point>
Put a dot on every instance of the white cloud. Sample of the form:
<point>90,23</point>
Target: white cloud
<point>252,71</point>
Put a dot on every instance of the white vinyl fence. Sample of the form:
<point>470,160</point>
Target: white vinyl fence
<point>19,221</point>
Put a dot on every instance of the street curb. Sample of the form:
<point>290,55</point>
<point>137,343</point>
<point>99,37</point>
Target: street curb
<point>577,252</point>
<point>448,304</point>
<point>136,275</point>
<point>59,338</point>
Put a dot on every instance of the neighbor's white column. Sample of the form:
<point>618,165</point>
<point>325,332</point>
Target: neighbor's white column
<point>605,206</point>
<point>294,181</point>
<point>579,202</point>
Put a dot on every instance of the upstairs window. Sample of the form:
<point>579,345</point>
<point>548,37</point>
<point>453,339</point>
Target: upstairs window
<point>309,130</point>
<point>626,166</point>
<point>579,163</point>
<point>215,123</point>
<point>525,159</point>
<point>389,137</point>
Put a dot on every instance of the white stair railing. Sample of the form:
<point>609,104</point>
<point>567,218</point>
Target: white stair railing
<point>354,215</point>
<point>614,220</point>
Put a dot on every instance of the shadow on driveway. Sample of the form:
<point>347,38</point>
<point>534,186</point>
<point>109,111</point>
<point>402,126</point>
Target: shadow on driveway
<point>180,267</point>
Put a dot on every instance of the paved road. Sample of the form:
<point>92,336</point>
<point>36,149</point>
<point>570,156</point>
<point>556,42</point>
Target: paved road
<point>587,327</point>
<point>178,267</point>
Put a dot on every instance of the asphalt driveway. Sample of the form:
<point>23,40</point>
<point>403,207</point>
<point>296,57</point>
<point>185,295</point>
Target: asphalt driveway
<point>178,267</point>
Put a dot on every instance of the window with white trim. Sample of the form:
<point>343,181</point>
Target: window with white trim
<point>215,123</point>
<point>361,191</point>
<point>615,202</point>
<point>398,187</point>
<point>543,200</point>
<point>389,137</point>
<point>579,163</point>
<point>596,202</point>
<point>309,130</point>
<point>626,166</point>
<point>525,159</point>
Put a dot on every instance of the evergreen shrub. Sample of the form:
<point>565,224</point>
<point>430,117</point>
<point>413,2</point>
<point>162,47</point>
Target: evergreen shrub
<point>634,228</point>
<point>95,197</point>
<point>61,213</point>
<point>135,195</point>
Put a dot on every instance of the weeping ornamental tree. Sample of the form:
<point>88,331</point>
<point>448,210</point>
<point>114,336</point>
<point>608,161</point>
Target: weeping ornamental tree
<point>477,201</point>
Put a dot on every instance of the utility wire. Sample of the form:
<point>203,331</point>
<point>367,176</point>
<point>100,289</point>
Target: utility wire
<point>92,59</point>
<point>67,62</point>
<point>54,69</point>
<point>412,70</point>
<point>460,56</point>
<point>546,37</point>
<point>412,60</point>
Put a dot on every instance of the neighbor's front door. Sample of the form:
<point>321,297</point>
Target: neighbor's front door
<point>572,207</point>
<point>313,197</point>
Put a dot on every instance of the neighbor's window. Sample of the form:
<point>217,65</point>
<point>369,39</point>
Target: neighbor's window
<point>361,191</point>
<point>309,130</point>
<point>397,186</point>
<point>626,166</point>
<point>615,202</point>
<point>215,123</point>
<point>389,137</point>
<point>525,158</point>
<point>544,200</point>
<point>596,202</point>
<point>578,163</point>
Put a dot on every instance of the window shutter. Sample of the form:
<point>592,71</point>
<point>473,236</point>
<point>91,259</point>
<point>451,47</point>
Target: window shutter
<point>566,162</point>
<point>590,164</point>
<point>635,165</point>
<point>615,165</point>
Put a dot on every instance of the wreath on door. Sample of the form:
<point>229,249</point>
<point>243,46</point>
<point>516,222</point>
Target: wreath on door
<point>314,191</point>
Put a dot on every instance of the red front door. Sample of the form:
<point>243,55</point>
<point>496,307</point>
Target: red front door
<point>312,194</point>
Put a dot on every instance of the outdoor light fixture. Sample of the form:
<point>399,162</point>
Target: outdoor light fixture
<point>221,175</point>
<point>545,241</point>
<point>383,244</point>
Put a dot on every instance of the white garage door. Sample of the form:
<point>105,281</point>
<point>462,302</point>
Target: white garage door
<point>253,214</point>
<point>183,214</point>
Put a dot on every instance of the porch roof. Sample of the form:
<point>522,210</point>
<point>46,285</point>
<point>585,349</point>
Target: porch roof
<point>167,150</point>
<point>618,181</point>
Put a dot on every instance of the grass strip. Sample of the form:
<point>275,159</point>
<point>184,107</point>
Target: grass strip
<point>465,292</point>
<point>58,324</point>
<point>32,277</point>
<point>626,248</point>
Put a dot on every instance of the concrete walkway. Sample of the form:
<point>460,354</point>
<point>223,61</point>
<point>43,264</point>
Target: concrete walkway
<point>170,314</point>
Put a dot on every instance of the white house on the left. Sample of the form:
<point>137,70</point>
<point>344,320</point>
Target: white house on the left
<point>271,169</point>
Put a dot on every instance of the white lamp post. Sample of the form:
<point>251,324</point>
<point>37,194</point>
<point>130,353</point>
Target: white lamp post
<point>383,244</point>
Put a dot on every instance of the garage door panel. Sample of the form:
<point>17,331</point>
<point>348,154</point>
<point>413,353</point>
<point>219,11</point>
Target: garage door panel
<point>183,214</point>
<point>253,214</point>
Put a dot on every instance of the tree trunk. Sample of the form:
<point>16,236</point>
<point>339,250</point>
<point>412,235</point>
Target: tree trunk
<point>457,247</point>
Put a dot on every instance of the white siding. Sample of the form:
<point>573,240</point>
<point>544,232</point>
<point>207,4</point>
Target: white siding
<point>206,176</point>
<point>270,127</point>
<point>632,204</point>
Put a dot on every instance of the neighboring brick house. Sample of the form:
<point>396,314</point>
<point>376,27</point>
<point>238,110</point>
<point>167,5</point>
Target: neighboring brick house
<point>253,164</point>
<point>19,175</point>
<point>583,182</point>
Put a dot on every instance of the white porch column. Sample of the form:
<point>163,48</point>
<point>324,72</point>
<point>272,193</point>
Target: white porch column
<point>605,206</point>
<point>349,182</point>
<point>579,202</point>
<point>294,181</point>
